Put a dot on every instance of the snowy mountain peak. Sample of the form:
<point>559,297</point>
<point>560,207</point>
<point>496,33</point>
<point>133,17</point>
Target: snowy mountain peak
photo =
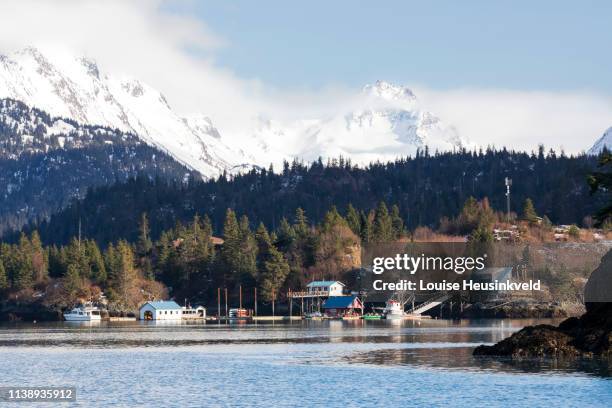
<point>604,141</point>
<point>384,125</point>
<point>78,89</point>
<point>390,92</point>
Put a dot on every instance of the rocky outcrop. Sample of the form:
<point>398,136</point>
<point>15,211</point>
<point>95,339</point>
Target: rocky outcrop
<point>598,288</point>
<point>588,335</point>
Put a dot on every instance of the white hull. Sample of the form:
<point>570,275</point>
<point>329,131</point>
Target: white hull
<point>81,318</point>
<point>83,314</point>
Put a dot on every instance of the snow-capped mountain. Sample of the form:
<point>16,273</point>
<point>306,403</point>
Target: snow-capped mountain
<point>604,141</point>
<point>46,161</point>
<point>76,88</point>
<point>384,122</point>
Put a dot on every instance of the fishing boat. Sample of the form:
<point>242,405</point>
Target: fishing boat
<point>393,310</point>
<point>84,313</point>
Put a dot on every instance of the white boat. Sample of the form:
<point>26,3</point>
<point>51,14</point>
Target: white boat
<point>86,313</point>
<point>393,310</point>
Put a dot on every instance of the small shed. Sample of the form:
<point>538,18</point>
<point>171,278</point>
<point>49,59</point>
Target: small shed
<point>161,310</point>
<point>325,288</point>
<point>337,306</point>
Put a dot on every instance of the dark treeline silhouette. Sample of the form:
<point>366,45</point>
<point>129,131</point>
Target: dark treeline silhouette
<point>425,188</point>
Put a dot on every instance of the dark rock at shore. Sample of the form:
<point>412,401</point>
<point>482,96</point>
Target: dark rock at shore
<point>588,335</point>
<point>518,310</point>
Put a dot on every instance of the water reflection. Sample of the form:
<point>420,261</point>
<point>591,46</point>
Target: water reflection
<point>461,358</point>
<point>440,344</point>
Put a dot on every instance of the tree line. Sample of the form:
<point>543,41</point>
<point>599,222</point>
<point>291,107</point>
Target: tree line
<point>425,188</point>
<point>189,261</point>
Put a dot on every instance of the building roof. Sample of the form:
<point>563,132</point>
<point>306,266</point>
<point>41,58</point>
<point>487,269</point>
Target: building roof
<point>322,283</point>
<point>163,304</point>
<point>341,302</point>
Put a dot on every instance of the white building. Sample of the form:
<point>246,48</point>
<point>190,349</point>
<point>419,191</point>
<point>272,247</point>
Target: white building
<point>161,310</point>
<point>325,288</point>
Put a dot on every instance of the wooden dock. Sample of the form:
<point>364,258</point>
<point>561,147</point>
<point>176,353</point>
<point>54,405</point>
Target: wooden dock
<point>275,318</point>
<point>121,319</point>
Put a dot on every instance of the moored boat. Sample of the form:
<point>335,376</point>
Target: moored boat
<point>393,310</point>
<point>84,313</point>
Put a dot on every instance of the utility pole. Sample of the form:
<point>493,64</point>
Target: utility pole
<point>255,290</point>
<point>219,304</point>
<point>508,184</point>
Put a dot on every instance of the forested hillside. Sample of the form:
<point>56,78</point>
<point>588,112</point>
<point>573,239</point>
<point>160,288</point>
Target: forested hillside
<point>45,162</point>
<point>425,189</point>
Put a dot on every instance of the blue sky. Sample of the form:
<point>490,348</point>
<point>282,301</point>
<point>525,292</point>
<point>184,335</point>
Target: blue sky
<point>504,73</point>
<point>527,45</point>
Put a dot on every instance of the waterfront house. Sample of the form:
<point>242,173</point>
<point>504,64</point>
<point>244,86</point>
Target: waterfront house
<point>161,310</point>
<point>325,288</point>
<point>338,306</point>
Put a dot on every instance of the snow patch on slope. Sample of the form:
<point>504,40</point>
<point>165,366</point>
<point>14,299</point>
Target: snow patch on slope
<point>604,141</point>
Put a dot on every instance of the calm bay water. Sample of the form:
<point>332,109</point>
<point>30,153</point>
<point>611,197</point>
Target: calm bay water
<point>330,363</point>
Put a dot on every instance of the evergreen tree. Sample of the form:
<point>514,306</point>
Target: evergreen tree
<point>366,227</point>
<point>332,219</point>
<point>300,224</point>
<point>97,267</point>
<point>382,227</point>
<point>397,222</point>
<point>144,247</point>
<point>39,258</point>
<point>230,252</point>
<point>286,235</point>
<point>22,277</point>
<point>3,277</point>
<point>529,212</point>
<point>273,275</point>
<point>248,251</point>
<point>72,282</point>
<point>601,182</point>
<point>353,220</point>
<point>123,272</point>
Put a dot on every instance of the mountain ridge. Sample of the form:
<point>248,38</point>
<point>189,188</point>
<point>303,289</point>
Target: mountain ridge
<point>387,122</point>
<point>605,141</point>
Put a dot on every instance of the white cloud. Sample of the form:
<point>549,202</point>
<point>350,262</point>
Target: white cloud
<point>523,119</point>
<point>140,39</point>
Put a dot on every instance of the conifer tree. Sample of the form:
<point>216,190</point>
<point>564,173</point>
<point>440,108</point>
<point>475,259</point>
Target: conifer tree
<point>382,227</point>
<point>397,222</point>
<point>39,258</point>
<point>366,227</point>
<point>72,281</point>
<point>96,262</point>
<point>248,250</point>
<point>353,220</point>
<point>3,277</point>
<point>601,182</point>
<point>529,212</point>
<point>230,251</point>
<point>22,277</point>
